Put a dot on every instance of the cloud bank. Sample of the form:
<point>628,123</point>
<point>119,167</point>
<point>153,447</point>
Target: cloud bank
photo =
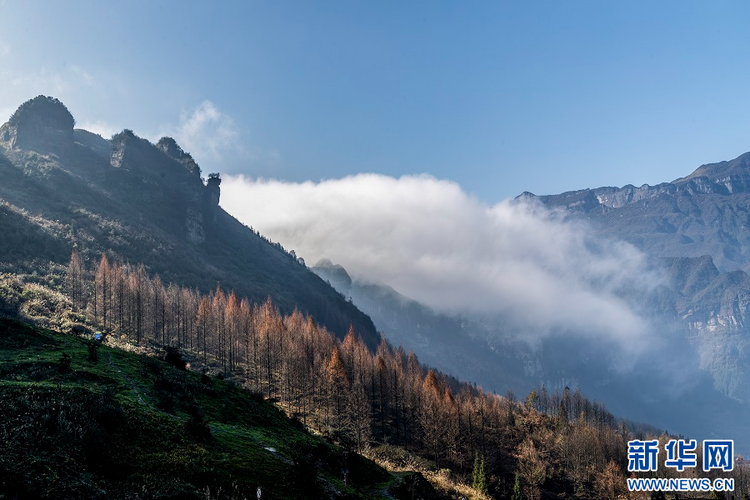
<point>433,242</point>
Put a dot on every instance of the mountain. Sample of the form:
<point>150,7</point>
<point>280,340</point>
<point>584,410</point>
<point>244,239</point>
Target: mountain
<point>696,233</point>
<point>76,421</point>
<point>456,344</point>
<point>704,213</point>
<point>699,225</point>
<point>686,397</point>
<point>65,188</point>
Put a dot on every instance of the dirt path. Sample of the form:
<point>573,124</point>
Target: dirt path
<point>383,492</point>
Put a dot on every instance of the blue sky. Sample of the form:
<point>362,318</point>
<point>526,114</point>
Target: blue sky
<point>499,97</point>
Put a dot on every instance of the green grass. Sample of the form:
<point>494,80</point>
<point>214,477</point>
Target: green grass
<point>132,426</point>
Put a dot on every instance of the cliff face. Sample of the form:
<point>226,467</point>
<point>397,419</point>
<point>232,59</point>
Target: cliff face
<point>163,174</point>
<point>603,198</point>
<point>714,309</point>
<point>724,178</point>
<point>169,147</point>
<point>151,163</point>
<point>42,124</point>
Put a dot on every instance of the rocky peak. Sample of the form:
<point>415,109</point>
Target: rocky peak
<point>134,153</point>
<point>42,124</point>
<point>170,147</point>
<point>732,176</point>
<point>143,164</point>
<point>335,274</point>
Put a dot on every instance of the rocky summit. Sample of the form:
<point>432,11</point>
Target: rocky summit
<point>42,124</point>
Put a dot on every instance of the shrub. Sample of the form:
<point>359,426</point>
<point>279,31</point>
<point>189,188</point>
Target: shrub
<point>64,363</point>
<point>196,425</point>
<point>173,357</point>
<point>93,347</point>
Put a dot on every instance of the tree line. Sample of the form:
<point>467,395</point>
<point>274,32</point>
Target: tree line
<point>558,442</point>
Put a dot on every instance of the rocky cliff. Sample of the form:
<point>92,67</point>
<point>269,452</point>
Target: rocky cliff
<point>42,124</point>
<point>139,202</point>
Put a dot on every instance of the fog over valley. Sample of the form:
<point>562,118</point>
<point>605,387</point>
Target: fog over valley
<point>433,242</point>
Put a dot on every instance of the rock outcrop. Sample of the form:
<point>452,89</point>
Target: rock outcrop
<point>213,192</point>
<point>42,124</point>
<point>170,148</point>
<point>164,166</point>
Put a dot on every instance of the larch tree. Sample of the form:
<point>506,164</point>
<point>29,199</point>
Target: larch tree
<point>338,385</point>
<point>102,292</point>
<point>203,324</point>
<point>232,328</point>
<point>532,468</point>
<point>219,337</point>
<point>75,281</point>
<point>430,419</point>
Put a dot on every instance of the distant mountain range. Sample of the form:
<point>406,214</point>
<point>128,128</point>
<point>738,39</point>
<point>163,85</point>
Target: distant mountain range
<point>696,231</point>
<point>699,226</point>
<point>65,188</point>
<point>705,213</point>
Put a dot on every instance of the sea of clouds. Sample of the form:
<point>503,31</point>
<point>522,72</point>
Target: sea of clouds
<point>433,242</point>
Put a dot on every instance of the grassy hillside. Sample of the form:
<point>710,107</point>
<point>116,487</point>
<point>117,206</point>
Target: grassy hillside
<point>83,420</point>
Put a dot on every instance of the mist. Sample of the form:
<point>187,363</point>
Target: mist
<point>435,243</point>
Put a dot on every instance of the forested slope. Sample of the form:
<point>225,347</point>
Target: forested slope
<point>141,202</point>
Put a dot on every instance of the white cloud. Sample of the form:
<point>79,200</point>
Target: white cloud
<point>207,133</point>
<point>431,241</point>
<point>212,137</point>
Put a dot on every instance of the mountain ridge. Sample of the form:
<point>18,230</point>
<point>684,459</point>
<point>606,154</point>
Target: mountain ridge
<point>726,177</point>
<point>142,203</point>
<point>704,213</point>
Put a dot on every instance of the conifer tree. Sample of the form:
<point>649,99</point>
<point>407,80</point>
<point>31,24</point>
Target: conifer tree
<point>232,322</point>
<point>479,476</point>
<point>338,385</point>
<point>102,291</point>
<point>203,321</point>
<point>518,489</point>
